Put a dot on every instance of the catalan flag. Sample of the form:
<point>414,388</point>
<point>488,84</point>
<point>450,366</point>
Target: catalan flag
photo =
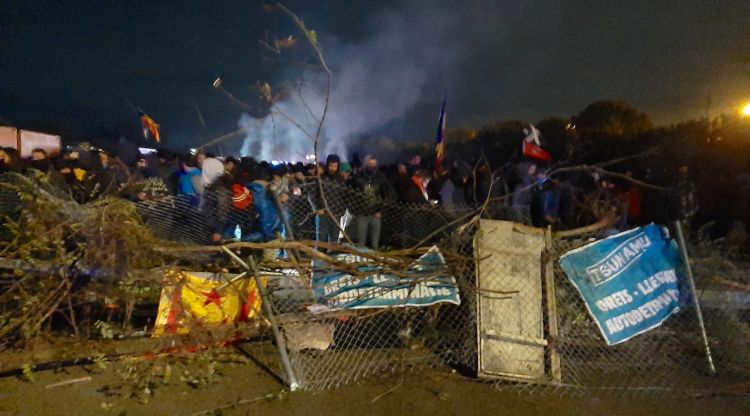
<point>440,140</point>
<point>149,126</point>
<point>191,299</point>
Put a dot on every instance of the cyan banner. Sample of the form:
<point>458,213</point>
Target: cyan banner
<point>425,283</point>
<point>629,281</point>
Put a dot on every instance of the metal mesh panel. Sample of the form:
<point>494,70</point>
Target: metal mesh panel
<point>520,321</point>
<point>670,357</point>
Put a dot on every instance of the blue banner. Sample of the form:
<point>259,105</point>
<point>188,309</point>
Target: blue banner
<point>426,283</point>
<point>629,281</point>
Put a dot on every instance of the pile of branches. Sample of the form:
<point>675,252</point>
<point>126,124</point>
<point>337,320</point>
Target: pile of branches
<point>58,255</point>
<point>59,258</point>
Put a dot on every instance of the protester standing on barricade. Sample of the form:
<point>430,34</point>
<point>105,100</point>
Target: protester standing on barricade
<point>369,211</point>
<point>332,184</point>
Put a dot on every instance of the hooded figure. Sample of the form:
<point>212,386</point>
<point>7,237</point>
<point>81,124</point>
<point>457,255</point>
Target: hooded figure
<point>333,186</point>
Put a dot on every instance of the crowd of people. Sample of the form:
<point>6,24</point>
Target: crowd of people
<point>220,198</point>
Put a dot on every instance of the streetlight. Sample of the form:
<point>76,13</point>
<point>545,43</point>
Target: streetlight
<point>745,111</point>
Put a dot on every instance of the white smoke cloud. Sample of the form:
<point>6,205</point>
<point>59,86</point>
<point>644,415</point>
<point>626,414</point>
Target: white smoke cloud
<point>375,81</point>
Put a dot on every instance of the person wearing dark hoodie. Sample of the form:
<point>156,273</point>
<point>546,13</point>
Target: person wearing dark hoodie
<point>52,180</point>
<point>95,180</point>
<point>375,188</point>
<point>144,183</point>
<point>416,222</point>
<point>401,181</point>
<point>332,184</point>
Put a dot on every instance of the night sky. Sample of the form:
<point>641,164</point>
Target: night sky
<point>74,68</point>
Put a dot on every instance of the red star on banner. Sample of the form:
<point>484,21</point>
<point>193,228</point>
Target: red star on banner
<point>213,297</point>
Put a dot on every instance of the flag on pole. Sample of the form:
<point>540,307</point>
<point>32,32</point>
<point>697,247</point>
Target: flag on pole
<point>149,126</point>
<point>531,146</point>
<point>440,140</point>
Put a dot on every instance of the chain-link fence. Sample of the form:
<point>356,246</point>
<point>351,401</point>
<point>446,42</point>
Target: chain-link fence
<point>511,314</point>
<point>669,357</point>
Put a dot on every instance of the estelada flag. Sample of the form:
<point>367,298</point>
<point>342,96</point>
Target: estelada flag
<point>191,299</point>
<point>530,145</point>
<point>149,126</point>
<point>440,140</point>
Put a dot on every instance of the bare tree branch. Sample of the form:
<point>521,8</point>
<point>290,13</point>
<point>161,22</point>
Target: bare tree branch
<point>312,39</point>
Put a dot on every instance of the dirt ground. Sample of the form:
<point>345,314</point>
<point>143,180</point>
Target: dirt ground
<point>253,391</point>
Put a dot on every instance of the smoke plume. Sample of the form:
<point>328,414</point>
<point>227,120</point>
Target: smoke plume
<point>402,63</point>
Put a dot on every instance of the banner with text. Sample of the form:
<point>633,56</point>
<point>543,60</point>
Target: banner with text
<point>629,281</point>
<point>425,283</point>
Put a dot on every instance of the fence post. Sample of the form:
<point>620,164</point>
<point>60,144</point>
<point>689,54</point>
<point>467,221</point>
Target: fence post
<point>280,344</point>
<point>691,282</point>
<point>549,283</point>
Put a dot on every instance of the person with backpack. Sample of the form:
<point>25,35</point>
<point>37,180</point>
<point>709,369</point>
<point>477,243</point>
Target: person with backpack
<point>268,222</point>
